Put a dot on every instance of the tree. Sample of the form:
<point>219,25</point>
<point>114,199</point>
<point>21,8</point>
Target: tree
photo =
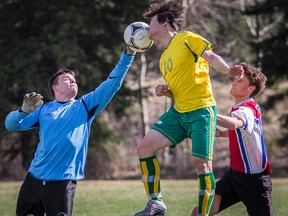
<point>267,21</point>
<point>39,37</point>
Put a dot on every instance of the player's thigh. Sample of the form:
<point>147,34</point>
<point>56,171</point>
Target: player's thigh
<point>30,197</point>
<point>225,189</point>
<point>59,197</point>
<point>151,143</point>
<point>202,132</point>
<point>156,139</point>
<point>257,195</point>
<point>170,126</point>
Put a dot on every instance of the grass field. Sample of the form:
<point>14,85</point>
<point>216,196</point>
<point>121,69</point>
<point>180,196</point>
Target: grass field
<point>123,198</point>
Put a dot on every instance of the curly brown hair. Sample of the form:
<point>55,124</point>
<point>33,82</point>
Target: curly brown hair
<point>255,77</point>
<point>171,12</point>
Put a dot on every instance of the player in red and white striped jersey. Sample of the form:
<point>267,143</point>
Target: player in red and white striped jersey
<point>247,180</point>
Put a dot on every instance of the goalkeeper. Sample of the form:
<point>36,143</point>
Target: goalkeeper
<point>64,123</point>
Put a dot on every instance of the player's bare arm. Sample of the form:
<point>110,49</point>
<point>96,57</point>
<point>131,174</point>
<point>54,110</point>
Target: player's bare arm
<point>229,122</point>
<point>218,63</point>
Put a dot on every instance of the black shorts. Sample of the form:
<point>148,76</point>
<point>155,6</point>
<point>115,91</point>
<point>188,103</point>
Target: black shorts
<point>53,197</point>
<point>254,190</point>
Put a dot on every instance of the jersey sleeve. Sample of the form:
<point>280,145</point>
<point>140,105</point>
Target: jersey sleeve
<point>20,121</point>
<point>98,99</point>
<point>197,44</point>
<point>247,116</point>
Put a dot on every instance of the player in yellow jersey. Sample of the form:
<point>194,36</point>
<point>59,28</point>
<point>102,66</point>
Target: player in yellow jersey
<point>184,64</point>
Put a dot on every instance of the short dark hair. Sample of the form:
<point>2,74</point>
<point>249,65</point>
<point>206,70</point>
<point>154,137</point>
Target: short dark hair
<point>256,78</point>
<point>54,79</point>
<point>171,11</point>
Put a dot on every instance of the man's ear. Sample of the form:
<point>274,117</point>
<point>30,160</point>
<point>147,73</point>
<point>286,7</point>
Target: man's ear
<point>54,87</point>
<point>251,89</point>
<point>164,24</point>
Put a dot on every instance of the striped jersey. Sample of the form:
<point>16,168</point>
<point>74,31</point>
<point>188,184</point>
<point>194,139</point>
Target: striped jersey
<point>246,144</point>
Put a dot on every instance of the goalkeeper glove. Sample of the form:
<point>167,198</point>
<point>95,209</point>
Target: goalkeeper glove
<point>31,102</point>
<point>128,51</point>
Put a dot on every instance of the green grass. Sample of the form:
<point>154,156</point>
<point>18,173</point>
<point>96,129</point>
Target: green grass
<point>123,198</point>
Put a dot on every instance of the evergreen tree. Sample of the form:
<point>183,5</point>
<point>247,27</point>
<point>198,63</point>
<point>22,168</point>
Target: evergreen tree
<point>269,20</point>
<point>39,37</point>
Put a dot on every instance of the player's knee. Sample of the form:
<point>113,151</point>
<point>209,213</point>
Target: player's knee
<point>145,150</point>
<point>194,211</point>
<point>203,165</point>
<point>141,149</point>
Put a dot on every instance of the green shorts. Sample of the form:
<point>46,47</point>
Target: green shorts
<point>198,125</point>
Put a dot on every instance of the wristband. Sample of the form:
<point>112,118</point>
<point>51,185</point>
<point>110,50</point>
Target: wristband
<point>20,110</point>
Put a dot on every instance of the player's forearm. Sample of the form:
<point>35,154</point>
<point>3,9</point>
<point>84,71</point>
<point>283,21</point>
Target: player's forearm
<point>116,77</point>
<point>13,119</point>
<point>229,122</point>
<point>123,65</point>
<point>104,93</point>
<point>218,63</point>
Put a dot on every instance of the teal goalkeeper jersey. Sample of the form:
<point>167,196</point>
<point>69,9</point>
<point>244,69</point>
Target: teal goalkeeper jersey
<point>65,128</point>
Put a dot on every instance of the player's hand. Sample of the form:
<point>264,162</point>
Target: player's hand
<point>160,90</point>
<point>31,102</point>
<point>236,71</point>
<point>221,133</point>
<point>128,51</point>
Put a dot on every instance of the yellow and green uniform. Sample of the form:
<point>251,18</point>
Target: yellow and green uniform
<point>186,72</point>
<point>193,114</point>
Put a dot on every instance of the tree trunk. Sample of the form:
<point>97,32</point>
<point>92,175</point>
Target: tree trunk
<point>142,95</point>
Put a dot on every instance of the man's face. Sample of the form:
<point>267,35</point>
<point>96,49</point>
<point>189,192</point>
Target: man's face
<point>66,86</point>
<point>155,28</point>
<point>241,88</point>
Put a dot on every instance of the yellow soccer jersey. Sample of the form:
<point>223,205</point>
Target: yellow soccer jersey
<point>186,72</point>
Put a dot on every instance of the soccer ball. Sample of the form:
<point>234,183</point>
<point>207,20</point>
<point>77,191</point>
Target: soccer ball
<point>136,36</point>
